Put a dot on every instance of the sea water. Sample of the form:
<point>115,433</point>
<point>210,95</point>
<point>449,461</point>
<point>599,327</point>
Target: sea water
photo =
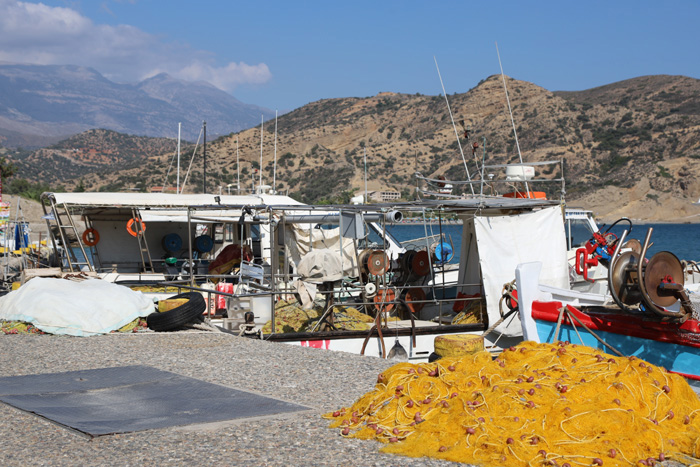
<point>683,240</point>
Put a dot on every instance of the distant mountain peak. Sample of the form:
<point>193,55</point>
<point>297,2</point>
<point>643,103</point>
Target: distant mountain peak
<point>60,100</point>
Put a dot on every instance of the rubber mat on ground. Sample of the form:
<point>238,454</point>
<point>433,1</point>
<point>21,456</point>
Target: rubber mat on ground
<point>132,398</point>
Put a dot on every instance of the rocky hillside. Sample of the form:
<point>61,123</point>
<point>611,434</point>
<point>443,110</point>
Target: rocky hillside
<point>629,148</point>
<point>96,155</point>
<point>41,104</point>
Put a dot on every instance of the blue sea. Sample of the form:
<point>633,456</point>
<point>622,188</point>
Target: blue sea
<point>683,240</point>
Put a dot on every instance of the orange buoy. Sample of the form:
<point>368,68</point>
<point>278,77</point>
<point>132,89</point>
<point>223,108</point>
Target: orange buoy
<point>135,226</point>
<point>91,237</point>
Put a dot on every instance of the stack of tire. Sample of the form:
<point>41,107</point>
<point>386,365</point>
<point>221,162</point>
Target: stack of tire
<point>189,312</point>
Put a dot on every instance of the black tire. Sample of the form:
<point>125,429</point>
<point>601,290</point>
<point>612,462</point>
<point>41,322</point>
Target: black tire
<point>189,312</point>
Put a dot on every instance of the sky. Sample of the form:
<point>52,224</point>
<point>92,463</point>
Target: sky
<point>285,54</point>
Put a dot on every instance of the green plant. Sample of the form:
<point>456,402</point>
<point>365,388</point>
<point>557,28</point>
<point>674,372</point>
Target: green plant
<point>663,172</point>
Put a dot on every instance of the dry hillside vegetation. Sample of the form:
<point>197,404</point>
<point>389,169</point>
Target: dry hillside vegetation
<point>630,148</point>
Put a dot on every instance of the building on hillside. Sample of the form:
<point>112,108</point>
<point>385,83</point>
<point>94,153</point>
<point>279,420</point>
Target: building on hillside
<point>382,196</point>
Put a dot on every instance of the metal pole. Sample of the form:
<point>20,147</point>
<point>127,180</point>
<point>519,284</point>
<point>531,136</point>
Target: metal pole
<point>274,166</point>
<point>365,198</point>
<point>261,149</point>
<point>189,243</point>
<point>238,164</point>
<point>179,129</point>
<point>205,156</point>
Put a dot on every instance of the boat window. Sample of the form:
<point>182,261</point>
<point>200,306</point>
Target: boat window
<point>578,233</point>
<point>229,233</point>
<point>218,233</point>
<point>255,232</point>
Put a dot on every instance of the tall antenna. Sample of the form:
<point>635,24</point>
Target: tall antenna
<point>179,128</point>
<point>453,125</point>
<point>262,118</point>
<point>510,111</point>
<point>238,165</point>
<point>274,165</point>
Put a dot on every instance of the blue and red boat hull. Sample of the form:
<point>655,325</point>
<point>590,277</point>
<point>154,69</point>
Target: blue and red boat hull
<point>673,346</point>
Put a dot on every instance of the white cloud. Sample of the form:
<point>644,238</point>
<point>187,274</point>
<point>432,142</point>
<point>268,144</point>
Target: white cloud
<point>40,34</point>
<point>228,76</point>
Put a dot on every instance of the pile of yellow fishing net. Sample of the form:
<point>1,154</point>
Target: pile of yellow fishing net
<point>537,404</point>
<point>291,317</point>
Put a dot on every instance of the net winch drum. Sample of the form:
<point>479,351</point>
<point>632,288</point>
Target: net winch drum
<point>203,243</point>
<point>654,285</point>
<point>414,299</point>
<point>374,262</point>
<point>172,243</point>
<point>385,300</point>
<point>420,265</point>
<point>442,252</point>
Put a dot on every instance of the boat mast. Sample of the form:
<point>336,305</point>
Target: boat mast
<point>204,125</point>
<point>179,129</point>
<point>238,165</point>
<point>469,178</point>
<point>274,166</point>
<point>515,133</point>
<point>261,150</point>
<point>365,198</point>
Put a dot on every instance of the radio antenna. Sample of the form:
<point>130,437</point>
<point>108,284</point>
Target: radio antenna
<point>510,111</point>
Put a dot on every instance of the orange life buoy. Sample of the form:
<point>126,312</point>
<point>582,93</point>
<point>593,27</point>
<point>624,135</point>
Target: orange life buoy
<point>91,237</point>
<point>138,223</point>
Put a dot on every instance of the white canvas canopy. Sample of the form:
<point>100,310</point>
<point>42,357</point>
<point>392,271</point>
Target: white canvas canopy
<point>167,200</point>
<point>503,242</point>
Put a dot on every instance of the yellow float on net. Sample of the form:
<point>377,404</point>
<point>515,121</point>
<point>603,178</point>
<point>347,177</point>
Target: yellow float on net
<point>534,405</point>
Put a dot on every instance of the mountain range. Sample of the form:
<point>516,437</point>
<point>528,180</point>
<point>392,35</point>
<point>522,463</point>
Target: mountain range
<point>630,148</point>
<point>43,104</point>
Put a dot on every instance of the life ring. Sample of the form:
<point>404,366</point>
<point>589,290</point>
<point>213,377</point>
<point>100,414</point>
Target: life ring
<point>91,237</point>
<point>140,226</point>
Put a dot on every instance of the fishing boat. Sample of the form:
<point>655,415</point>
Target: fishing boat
<point>339,258</point>
<point>648,308</point>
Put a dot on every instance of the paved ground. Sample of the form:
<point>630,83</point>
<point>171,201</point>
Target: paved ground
<point>320,379</point>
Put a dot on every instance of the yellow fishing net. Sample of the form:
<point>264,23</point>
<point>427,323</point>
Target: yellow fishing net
<point>537,404</point>
<point>18,327</point>
<point>291,317</point>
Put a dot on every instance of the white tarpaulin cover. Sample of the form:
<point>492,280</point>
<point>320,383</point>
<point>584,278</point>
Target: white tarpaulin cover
<point>304,240</point>
<point>506,241</point>
<point>86,308</point>
<point>317,267</point>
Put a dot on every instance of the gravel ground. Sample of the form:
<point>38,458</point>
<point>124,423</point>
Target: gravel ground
<point>320,379</point>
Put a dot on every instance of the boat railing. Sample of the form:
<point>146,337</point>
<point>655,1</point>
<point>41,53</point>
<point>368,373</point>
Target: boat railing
<point>515,180</point>
<point>348,293</point>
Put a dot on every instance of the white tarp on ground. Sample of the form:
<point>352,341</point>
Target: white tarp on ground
<point>86,308</point>
<point>506,241</point>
